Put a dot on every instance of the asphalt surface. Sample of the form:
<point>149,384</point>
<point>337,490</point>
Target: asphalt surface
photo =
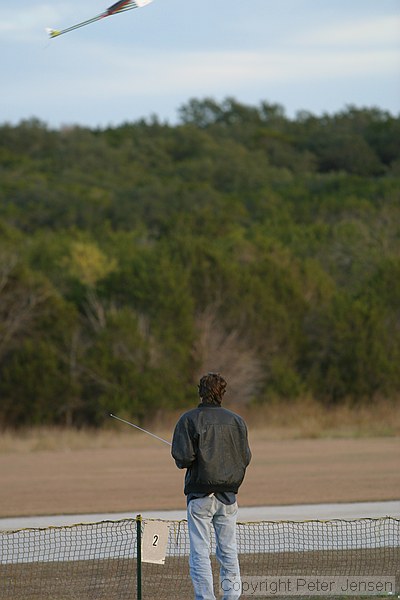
<point>302,512</point>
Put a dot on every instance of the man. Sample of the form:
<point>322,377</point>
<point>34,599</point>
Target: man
<point>211,443</point>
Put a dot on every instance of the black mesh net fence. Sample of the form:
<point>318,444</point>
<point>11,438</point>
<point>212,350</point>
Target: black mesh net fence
<point>98,560</point>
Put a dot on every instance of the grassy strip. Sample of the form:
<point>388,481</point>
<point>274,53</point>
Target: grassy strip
<point>305,419</point>
<point>115,579</point>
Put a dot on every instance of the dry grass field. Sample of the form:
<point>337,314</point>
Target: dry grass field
<point>300,455</point>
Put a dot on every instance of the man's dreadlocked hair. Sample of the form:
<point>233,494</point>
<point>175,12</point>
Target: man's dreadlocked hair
<point>211,388</point>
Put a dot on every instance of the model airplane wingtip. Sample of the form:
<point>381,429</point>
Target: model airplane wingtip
<point>52,33</point>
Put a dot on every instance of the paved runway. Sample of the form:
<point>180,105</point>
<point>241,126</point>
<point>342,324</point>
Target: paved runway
<point>253,513</point>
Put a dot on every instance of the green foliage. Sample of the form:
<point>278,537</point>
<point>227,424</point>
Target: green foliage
<point>34,385</point>
<point>125,251</point>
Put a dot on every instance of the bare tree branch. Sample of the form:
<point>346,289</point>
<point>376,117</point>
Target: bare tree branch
<point>95,312</point>
<point>228,353</point>
<point>19,304</point>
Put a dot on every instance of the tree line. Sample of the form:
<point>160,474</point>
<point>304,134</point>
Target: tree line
<point>135,257</point>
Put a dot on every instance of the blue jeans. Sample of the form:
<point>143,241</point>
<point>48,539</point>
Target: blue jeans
<point>202,513</point>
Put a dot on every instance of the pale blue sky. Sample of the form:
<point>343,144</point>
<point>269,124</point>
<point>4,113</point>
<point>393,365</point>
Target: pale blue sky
<point>317,55</point>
